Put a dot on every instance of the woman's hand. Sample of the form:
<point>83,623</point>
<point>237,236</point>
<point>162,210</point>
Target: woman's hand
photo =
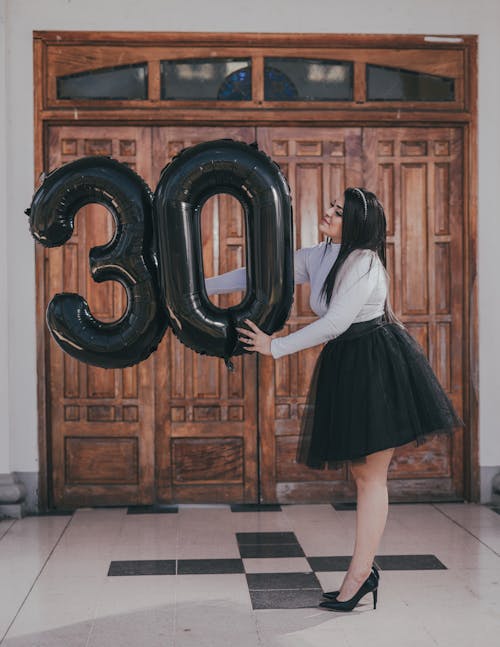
<point>257,339</point>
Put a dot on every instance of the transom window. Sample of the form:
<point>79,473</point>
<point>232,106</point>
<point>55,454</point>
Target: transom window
<point>256,77</point>
<point>123,82</point>
<point>392,84</point>
<point>299,79</point>
<point>198,79</point>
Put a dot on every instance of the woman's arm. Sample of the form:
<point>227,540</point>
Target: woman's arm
<point>227,282</point>
<point>236,279</point>
<point>356,281</point>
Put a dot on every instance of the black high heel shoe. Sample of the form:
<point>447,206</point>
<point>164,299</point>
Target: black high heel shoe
<point>370,585</point>
<point>331,595</point>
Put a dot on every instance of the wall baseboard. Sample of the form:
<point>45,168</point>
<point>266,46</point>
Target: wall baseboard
<point>19,491</point>
<point>18,494</point>
<point>490,484</point>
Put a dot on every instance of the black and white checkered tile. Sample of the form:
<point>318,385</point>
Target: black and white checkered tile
<point>271,590</point>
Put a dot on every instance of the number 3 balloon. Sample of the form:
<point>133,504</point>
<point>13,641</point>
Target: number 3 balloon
<point>136,254</point>
<point>126,258</point>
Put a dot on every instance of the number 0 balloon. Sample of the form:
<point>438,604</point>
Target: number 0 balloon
<point>193,176</point>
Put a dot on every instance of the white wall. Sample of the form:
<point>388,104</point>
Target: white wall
<point>4,357</point>
<point>356,16</point>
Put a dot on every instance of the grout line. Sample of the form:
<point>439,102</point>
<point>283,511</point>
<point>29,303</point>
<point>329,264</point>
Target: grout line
<point>2,638</point>
<point>295,545</point>
<point>176,581</point>
<point>13,521</point>
<point>467,530</point>
<point>303,588</point>
<point>119,534</point>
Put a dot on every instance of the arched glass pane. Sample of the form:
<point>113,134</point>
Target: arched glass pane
<point>223,79</point>
<point>300,79</point>
<point>124,82</point>
<point>392,84</point>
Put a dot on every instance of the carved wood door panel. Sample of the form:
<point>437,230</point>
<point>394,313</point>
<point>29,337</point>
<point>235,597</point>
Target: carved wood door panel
<point>417,173</point>
<point>206,416</point>
<point>101,437</point>
<point>319,164</point>
<point>180,426</point>
<point>106,446</point>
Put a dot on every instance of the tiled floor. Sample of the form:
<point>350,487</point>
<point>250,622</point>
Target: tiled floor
<point>221,576</point>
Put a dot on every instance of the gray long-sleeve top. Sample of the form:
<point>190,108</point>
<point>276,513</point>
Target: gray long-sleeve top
<point>359,293</point>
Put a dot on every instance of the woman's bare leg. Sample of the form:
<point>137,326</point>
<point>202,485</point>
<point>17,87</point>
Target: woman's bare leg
<point>371,515</point>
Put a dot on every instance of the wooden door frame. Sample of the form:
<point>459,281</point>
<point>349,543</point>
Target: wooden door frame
<point>45,116</point>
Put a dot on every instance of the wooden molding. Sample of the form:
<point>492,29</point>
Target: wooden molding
<point>391,41</point>
<point>154,112</point>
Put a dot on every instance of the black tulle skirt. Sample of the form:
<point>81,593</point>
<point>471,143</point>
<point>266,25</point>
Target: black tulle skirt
<point>372,388</point>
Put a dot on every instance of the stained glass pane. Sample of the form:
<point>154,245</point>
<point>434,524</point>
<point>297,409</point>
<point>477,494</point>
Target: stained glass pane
<point>391,84</point>
<point>124,82</point>
<point>225,79</point>
<point>300,79</point>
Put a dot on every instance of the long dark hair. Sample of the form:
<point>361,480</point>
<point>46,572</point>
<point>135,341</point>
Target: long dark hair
<point>360,231</point>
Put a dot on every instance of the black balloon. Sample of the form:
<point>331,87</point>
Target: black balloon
<point>191,178</point>
<point>127,258</point>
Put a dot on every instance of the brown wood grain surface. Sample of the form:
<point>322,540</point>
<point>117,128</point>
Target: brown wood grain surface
<point>417,174</point>
<point>180,427</point>
<point>206,416</point>
<point>97,415</point>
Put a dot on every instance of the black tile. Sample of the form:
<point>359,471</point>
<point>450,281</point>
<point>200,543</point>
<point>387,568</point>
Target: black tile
<point>271,550</point>
<point>408,562</point>
<point>351,505</point>
<point>255,507</point>
<point>334,563</point>
<point>209,566</point>
<point>143,567</point>
<point>152,509</point>
<point>347,505</point>
<point>245,538</point>
<point>54,513</point>
<point>286,599</point>
<point>270,581</point>
<point>427,502</point>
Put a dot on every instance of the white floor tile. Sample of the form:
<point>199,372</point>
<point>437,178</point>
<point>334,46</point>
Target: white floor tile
<point>5,524</point>
<point>46,611</point>
<point>259,522</point>
<point>75,635</point>
<point>470,515</point>
<point>23,551</point>
<point>464,626</point>
<point>73,603</point>
<point>129,594</point>
<point>276,565</point>
<point>300,628</point>
<point>210,546</point>
<point>150,627</point>
<point>214,611</point>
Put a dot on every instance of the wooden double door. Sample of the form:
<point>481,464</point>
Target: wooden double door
<point>180,427</point>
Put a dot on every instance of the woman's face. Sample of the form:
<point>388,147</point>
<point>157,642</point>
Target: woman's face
<point>331,222</point>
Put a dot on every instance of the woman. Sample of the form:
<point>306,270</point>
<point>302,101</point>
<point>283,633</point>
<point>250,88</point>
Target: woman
<point>372,388</point>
